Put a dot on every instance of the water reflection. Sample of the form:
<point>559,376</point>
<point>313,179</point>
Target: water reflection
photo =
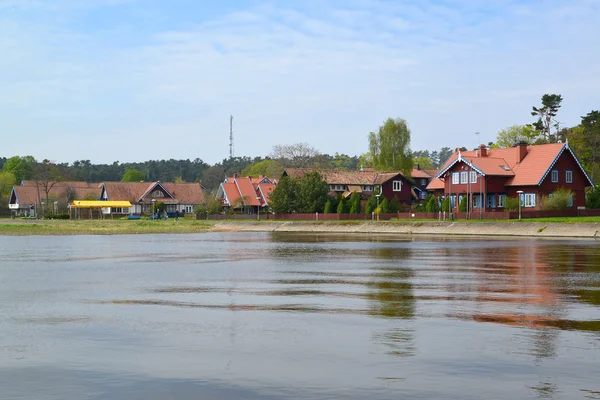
<point>299,316</point>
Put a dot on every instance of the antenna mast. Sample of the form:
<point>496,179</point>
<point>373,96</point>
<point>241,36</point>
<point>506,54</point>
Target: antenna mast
<point>231,136</point>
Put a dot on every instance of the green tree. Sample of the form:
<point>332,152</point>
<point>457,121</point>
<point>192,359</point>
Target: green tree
<point>507,137</point>
<point>432,204</point>
<point>546,113</point>
<point>22,168</point>
<point>384,207</point>
<point>446,204</point>
<point>512,204</point>
<point>311,194</point>
<point>371,204</point>
<point>355,205</point>
<point>327,209</point>
<point>390,146</point>
<point>423,162</point>
<point>283,198</point>
<point>584,139</point>
<point>342,208</point>
<point>394,206</point>
<point>133,175</point>
<point>268,168</point>
<point>462,206</point>
<point>7,181</point>
<point>211,205</point>
<point>593,198</point>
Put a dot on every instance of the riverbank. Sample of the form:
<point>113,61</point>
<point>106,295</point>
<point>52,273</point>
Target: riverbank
<point>116,227</point>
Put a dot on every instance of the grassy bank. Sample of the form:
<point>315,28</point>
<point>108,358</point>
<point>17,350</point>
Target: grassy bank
<point>100,227</point>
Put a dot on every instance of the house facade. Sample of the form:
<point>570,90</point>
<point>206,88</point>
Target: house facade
<point>365,182</point>
<point>422,178</point>
<point>247,194</point>
<point>178,198</point>
<point>29,198</point>
<point>487,177</point>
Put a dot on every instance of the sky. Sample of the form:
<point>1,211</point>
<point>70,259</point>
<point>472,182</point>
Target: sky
<point>133,80</point>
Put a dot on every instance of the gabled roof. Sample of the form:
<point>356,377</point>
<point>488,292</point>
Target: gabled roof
<point>265,190</point>
<point>345,177</point>
<point>27,192</point>
<point>247,191</point>
<point>135,192</point>
<point>531,171</point>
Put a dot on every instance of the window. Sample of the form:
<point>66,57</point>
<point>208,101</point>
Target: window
<point>464,177</point>
<point>455,177</point>
<point>423,182</point>
<point>423,195</point>
<point>453,201</point>
<point>570,200</point>
<point>473,177</point>
<point>528,200</point>
<point>569,176</point>
<point>367,188</point>
<point>397,186</point>
<point>477,201</point>
<point>158,193</point>
<point>491,201</point>
<point>188,209</point>
<point>554,176</point>
<point>502,200</point>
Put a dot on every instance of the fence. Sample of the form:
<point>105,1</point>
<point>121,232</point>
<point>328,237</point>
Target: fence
<point>437,216</point>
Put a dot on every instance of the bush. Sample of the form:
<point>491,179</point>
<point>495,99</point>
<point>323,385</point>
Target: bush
<point>432,205</point>
<point>446,204</point>
<point>57,216</point>
<point>462,206</point>
<point>342,208</point>
<point>593,198</point>
<point>394,205</point>
<point>559,200</point>
<point>512,204</point>
<point>403,207</point>
<point>384,207</point>
<point>371,205</point>
<point>327,209</point>
<point>355,203</point>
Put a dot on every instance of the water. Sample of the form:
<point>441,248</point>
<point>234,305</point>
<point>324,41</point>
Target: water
<point>287,316</point>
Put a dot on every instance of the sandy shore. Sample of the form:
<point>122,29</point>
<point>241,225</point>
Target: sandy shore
<point>531,229</point>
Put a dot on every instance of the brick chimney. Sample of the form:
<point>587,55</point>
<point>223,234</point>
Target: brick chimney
<point>482,151</point>
<point>521,149</point>
<point>417,166</point>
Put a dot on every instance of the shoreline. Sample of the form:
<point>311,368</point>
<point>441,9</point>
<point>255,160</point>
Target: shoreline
<point>430,228</point>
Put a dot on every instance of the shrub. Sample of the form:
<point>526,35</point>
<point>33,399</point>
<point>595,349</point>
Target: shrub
<point>371,205</point>
<point>462,206</point>
<point>355,203</point>
<point>394,205</point>
<point>403,207</point>
<point>432,205</point>
<point>559,200</point>
<point>342,208</point>
<point>593,198</point>
<point>384,207</point>
<point>327,209</point>
<point>57,216</point>
<point>512,204</point>
<point>446,204</point>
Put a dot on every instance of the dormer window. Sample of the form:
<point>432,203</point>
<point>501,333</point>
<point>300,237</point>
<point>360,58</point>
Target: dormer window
<point>158,193</point>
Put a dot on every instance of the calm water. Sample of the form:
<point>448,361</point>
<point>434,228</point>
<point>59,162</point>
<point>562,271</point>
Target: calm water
<point>281,316</point>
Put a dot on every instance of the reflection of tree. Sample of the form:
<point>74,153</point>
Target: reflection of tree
<point>401,342</point>
<point>393,296</point>
<point>546,390</point>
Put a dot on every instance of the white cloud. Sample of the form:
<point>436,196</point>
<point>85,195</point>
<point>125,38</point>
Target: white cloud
<point>323,75</point>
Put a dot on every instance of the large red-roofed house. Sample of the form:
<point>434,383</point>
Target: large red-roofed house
<point>490,176</point>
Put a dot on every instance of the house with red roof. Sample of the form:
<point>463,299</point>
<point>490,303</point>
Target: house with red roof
<point>28,198</point>
<point>366,182</point>
<point>421,179</point>
<point>489,176</point>
<point>249,194</point>
<point>178,197</point>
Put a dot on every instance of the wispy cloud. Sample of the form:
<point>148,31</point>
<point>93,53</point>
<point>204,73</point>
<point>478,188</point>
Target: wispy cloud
<point>138,73</point>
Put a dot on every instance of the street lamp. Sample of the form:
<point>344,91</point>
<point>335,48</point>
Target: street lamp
<point>519,192</point>
<point>258,208</point>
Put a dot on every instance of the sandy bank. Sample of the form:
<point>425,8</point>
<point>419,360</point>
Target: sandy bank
<point>535,229</point>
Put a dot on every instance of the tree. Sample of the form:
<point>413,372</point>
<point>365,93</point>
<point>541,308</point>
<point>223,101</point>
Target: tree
<point>213,177</point>
<point>133,175</point>
<point>444,155</point>
<point>299,155</point>
<point>394,206</point>
<point>283,197</point>
<point>593,198</point>
<point>342,206</point>
<point>355,205</point>
<point>423,162</point>
<point>365,160</point>
<point>432,204</point>
<point>7,181</point>
<point>371,204</point>
<point>21,167</point>
<point>446,204</point>
<point>546,114</point>
<point>311,193</point>
<point>390,146</point>
<point>269,168</point>
<point>343,161</point>
<point>462,206</point>
<point>327,209</point>
<point>584,139</point>
<point>384,207</point>
<point>507,137</point>
<point>211,205</point>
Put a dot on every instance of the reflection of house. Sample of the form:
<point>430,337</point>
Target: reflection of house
<point>489,176</point>
<point>29,198</point>
<point>421,178</point>
<point>249,194</point>
<point>367,182</point>
<point>181,197</point>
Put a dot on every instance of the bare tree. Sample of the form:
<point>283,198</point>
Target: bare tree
<point>299,155</point>
<point>47,175</point>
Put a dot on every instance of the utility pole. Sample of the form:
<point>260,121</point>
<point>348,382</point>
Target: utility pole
<point>230,136</point>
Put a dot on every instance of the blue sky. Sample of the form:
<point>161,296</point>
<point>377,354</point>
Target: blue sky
<point>132,80</point>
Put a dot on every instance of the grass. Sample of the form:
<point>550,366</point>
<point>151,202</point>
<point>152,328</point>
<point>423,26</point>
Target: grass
<point>100,227</point>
